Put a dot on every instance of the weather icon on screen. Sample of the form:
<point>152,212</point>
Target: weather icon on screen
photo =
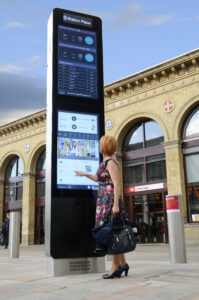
<point>89,40</point>
<point>89,57</point>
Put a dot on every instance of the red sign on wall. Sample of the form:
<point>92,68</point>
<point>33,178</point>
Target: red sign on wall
<point>172,202</point>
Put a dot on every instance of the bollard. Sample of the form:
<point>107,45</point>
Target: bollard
<point>176,229</point>
<point>14,234</point>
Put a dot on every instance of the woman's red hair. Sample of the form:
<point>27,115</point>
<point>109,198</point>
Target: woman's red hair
<point>108,145</point>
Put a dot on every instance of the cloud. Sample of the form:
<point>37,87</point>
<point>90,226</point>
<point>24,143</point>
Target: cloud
<point>20,95</point>
<point>131,14</point>
<point>13,25</point>
<point>29,64</point>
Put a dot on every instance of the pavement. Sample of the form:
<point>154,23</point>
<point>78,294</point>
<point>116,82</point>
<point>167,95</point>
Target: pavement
<point>151,276</point>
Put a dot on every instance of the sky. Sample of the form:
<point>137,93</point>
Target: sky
<point>136,35</point>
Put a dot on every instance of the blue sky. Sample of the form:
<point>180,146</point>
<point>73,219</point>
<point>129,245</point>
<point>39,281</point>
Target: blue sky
<point>136,36</point>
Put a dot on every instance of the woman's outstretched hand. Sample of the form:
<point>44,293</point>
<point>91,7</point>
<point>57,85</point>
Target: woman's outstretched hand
<point>79,173</point>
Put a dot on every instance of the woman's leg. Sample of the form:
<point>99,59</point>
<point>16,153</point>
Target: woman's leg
<point>122,260</point>
<point>115,263</point>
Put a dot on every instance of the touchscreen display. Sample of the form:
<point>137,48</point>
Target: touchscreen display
<point>77,62</point>
<point>77,149</point>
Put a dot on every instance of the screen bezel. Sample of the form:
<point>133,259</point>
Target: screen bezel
<point>79,186</point>
<point>96,27</point>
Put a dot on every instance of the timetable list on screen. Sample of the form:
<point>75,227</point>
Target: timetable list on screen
<point>77,62</point>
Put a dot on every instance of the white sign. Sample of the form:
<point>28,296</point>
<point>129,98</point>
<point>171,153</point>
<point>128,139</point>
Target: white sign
<point>148,187</point>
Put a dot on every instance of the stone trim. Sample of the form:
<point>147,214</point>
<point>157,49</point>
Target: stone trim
<point>152,91</point>
<point>23,124</point>
<point>118,156</point>
<point>172,144</point>
<point>29,175</point>
<point>191,225</point>
<point>154,76</point>
<point>23,135</point>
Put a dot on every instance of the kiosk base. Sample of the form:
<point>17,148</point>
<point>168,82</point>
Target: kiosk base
<point>70,266</point>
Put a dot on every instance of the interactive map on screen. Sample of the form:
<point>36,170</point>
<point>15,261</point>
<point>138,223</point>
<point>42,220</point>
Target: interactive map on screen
<point>77,149</point>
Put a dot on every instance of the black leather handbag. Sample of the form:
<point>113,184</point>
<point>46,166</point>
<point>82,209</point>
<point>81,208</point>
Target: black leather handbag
<point>123,239</point>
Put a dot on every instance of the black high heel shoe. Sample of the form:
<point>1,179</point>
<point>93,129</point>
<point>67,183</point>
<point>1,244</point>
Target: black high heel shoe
<point>125,269</point>
<point>116,273</point>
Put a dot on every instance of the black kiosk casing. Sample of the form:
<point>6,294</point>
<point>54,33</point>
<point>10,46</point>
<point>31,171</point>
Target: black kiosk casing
<point>75,119</point>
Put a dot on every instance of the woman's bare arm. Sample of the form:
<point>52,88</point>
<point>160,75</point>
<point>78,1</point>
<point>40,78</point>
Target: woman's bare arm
<point>115,177</point>
<point>90,176</point>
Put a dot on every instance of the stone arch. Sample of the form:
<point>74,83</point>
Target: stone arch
<point>5,160</point>
<point>32,162</point>
<point>133,119</point>
<point>183,115</point>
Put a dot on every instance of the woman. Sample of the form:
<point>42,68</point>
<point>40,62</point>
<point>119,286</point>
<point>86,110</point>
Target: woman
<point>108,199</point>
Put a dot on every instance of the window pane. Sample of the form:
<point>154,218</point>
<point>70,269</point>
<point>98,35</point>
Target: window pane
<point>134,161</point>
<point>155,157</point>
<point>156,171</point>
<point>11,170</point>
<point>192,168</point>
<point>41,164</point>
<point>10,192</point>
<point>134,139</point>
<point>192,129</point>
<point>19,192</point>
<point>191,149</point>
<point>193,196</point>
<point>133,175</point>
<point>20,167</point>
<point>153,134</point>
<point>41,189</point>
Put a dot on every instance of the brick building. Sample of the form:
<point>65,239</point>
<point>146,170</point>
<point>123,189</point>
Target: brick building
<point>154,115</point>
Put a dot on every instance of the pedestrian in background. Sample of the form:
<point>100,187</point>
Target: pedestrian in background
<point>5,230</point>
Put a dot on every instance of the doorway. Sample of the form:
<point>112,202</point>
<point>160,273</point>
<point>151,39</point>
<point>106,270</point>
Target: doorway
<point>148,211</point>
<point>39,224</point>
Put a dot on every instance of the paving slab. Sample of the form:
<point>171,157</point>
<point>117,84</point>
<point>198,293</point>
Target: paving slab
<point>151,276</point>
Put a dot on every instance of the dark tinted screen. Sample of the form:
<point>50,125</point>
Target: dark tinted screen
<point>77,62</point>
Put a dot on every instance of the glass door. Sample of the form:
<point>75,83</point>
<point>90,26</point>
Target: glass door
<point>148,212</point>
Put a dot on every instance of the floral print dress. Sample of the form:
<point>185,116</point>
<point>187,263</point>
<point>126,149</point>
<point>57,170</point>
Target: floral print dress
<point>105,196</point>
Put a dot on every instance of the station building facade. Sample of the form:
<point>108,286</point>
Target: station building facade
<point>154,115</point>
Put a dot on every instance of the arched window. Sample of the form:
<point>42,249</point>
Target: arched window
<point>144,158</point>
<point>143,135</point>
<point>144,180</point>
<point>40,198</point>
<point>14,180</point>
<point>40,175</point>
<point>191,129</point>
<point>191,158</point>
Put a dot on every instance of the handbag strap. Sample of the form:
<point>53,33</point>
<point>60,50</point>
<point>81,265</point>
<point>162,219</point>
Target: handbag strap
<point>121,217</point>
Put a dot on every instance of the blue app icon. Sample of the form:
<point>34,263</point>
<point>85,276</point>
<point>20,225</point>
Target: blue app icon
<point>89,57</point>
<point>65,17</point>
<point>89,40</point>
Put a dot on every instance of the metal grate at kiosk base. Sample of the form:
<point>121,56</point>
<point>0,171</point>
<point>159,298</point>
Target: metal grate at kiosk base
<point>80,266</point>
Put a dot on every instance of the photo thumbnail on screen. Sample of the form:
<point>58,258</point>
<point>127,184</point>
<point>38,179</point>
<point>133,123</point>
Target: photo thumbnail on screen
<point>77,149</point>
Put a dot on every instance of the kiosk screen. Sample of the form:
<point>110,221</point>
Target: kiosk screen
<point>77,62</point>
<point>77,149</point>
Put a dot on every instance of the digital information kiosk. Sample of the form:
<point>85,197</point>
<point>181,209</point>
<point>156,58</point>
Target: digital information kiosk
<point>75,123</point>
